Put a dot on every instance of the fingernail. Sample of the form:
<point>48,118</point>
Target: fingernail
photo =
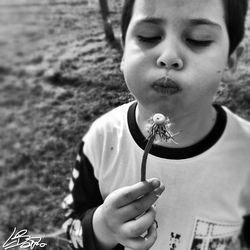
<point>159,191</point>
<point>155,183</point>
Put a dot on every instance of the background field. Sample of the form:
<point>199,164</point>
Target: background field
<point>57,74</point>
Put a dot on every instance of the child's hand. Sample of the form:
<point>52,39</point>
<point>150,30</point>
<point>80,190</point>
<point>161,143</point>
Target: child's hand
<point>126,214</point>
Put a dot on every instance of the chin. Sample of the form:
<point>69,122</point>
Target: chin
<point>167,109</point>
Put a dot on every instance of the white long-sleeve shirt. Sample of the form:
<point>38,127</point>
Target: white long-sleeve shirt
<point>207,185</point>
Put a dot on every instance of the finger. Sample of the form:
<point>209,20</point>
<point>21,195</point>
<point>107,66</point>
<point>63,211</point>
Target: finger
<point>145,242</point>
<point>76,233</point>
<point>77,226</point>
<point>135,228</point>
<point>73,238</point>
<point>141,205</point>
<point>126,195</point>
<point>152,233</point>
<point>79,236</point>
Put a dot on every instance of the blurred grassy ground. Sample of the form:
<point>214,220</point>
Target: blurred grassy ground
<point>57,74</point>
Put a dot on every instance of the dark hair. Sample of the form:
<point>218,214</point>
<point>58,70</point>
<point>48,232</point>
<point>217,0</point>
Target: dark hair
<point>235,11</point>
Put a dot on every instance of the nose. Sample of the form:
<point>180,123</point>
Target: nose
<point>170,59</point>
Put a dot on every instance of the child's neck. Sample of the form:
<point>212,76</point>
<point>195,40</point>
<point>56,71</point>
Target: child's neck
<point>192,126</point>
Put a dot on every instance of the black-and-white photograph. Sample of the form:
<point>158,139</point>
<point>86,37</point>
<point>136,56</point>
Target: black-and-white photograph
<point>125,124</point>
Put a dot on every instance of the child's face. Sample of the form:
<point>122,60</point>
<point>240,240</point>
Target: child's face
<point>184,40</point>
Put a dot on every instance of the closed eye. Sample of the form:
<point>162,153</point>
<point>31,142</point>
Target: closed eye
<point>149,39</point>
<point>199,43</point>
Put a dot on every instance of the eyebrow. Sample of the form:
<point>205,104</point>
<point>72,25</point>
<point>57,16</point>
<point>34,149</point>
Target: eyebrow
<point>195,21</point>
<point>203,21</point>
<point>148,19</point>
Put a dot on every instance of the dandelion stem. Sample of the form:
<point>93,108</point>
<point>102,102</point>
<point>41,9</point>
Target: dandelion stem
<point>57,238</point>
<point>145,156</point>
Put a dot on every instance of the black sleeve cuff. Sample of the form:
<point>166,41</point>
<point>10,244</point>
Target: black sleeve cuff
<point>245,234</point>
<point>89,240</point>
<point>87,230</point>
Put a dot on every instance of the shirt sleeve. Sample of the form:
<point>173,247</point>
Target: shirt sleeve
<point>245,234</point>
<point>245,203</point>
<point>81,203</point>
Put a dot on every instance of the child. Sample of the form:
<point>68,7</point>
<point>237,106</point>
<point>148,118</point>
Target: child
<point>176,52</point>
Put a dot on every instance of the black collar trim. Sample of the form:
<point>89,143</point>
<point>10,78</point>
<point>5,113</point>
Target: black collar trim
<point>179,153</point>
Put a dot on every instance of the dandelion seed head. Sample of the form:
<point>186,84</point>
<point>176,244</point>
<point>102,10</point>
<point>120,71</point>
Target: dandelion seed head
<point>159,119</point>
<point>160,126</point>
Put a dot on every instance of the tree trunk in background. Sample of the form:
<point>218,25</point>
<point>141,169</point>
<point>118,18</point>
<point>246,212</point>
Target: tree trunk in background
<point>106,20</point>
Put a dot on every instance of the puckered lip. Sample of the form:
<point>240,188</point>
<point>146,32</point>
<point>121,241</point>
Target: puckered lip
<point>166,85</point>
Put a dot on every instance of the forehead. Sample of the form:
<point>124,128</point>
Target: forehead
<point>179,10</point>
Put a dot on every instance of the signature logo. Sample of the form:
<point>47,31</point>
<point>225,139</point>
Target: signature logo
<point>23,240</point>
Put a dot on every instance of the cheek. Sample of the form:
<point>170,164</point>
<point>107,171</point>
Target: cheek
<point>211,68</point>
<point>135,66</point>
<point>135,56</point>
<point>210,79</point>
<point>204,80</point>
<point>217,60</point>
<point>130,72</point>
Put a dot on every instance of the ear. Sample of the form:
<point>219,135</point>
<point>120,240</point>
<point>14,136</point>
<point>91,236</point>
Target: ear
<point>234,58</point>
<point>232,63</point>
